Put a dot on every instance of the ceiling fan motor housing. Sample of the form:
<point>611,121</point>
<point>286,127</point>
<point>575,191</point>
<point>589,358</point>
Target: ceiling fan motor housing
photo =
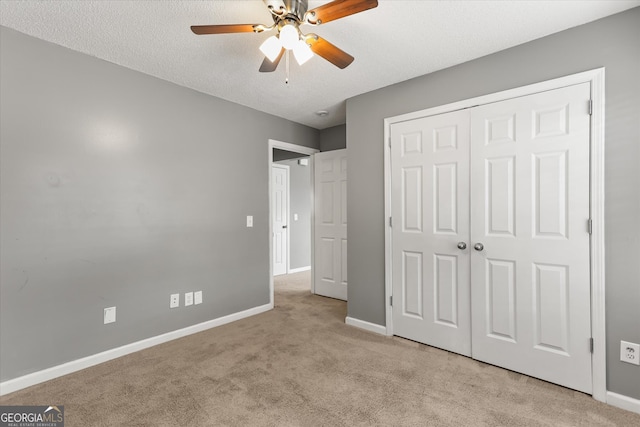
<point>293,9</point>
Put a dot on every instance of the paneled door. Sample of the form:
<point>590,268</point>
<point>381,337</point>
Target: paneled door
<point>490,233</point>
<point>430,230</point>
<point>330,241</point>
<point>280,206</point>
<point>529,232</point>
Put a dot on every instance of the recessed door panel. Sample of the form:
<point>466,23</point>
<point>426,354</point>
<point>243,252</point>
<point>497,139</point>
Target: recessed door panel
<point>500,288</point>
<point>445,289</point>
<point>500,196</point>
<point>550,194</point>
<point>550,308</point>
<point>445,198</point>
<point>327,203</point>
<point>411,144</point>
<point>445,138</point>
<point>327,248</point>
<point>412,284</point>
<point>412,199</point>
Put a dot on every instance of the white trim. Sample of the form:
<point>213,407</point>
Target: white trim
<point>367,326</point>
<point>598,330</point>
<point>299,269</point>
<point>95,359</point>
<point>596,79</point>
<point>623,402</point>
<point>272,143</point>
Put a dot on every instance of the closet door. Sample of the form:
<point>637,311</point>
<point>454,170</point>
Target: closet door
<point>529,236</point>
<point>430,231</point>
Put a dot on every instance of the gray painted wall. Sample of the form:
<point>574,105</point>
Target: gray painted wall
<point>118,189</point>
<point>285,155</point>
<point>333,138</point>
<point>299,203</point>
<point>613,42</point>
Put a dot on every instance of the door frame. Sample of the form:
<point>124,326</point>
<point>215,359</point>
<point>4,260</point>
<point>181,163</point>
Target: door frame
<point>307,151</point>
<point>288,213</point>
<point>596,78</point>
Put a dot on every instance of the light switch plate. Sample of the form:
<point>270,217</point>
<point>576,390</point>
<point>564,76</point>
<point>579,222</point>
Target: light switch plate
<point>249,220</point>
<point>198,297</point>
<point>109,315</point>
<point>188,298</point>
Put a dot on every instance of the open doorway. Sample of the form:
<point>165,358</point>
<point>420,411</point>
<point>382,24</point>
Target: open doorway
<point>291,250</point>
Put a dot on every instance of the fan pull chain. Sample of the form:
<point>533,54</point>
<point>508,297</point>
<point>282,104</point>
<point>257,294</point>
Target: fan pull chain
<point>286,81</point>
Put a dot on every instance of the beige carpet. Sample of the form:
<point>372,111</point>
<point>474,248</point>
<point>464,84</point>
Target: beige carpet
<point>300,365</point>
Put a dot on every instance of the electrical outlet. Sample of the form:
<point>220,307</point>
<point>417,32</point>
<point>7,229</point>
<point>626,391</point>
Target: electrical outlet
<point>188,298</point>
<point>198,297</point>
<point>249,220</point>
<point>109,315</point>
<point>174,301</point>
<point>630,352</point>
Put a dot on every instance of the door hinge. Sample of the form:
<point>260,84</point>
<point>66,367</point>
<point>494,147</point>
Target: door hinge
<point>591,345</point>
<point>590,225</point>
<point>391,221</point>
<point>590,107</point>
<point>391,300</point>
<point>389,140</point>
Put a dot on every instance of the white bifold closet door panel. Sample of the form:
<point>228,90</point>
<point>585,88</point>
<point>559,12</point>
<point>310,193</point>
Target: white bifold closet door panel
<point>430,213</point>
<point>530,211</point>
<point>330,241</point>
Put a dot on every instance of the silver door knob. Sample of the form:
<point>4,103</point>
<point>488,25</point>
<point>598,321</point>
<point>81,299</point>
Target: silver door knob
<point>462,245</point>
<point>478,247</point>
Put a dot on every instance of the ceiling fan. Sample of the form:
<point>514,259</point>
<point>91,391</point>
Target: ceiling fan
<point>288,16</point>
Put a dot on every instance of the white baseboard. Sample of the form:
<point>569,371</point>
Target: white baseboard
<point>300,269</point>
<point>624,402</point>
<point>371,327</point>
<point>86,362</point>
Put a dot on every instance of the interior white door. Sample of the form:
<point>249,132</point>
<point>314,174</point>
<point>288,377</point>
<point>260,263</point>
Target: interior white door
<point>330,243</point>
<point>430,231</point>
<point>530,211</point>
<point>280,217</point>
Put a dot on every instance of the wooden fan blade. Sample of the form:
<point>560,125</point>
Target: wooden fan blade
<point>225,29</point>
<point>337,9</point>
<point>268,66</point>
<point>331,53</point>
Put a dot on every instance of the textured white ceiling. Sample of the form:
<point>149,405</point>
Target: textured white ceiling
<point>396,41</point>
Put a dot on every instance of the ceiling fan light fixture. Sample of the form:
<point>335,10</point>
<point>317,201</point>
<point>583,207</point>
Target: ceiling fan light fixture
<point>271,48</point>
<point>302,52</point>
<point>289,36</point>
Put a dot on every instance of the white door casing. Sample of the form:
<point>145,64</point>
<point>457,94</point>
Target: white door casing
<point>330,231</point>
<point>530,286</point>
<point>430,178</point>
<point>307,151</point>
<point>280,218</point>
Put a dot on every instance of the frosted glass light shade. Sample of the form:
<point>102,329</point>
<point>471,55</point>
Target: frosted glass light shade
<point>302,52</point>
<point>289,36</point>
<point>271,48</point>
